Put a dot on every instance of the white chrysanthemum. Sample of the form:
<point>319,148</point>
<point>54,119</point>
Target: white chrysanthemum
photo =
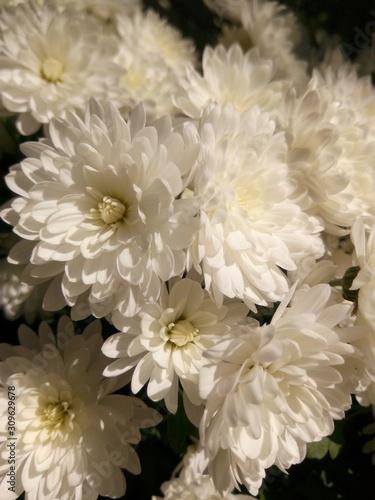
<point>166,342</point>
<point>354,93</point>
<point>192,486</point>
<point>13,293</point>
<point>352,112</point>
<point>225,8</point>
<point>158,38</point>
<point>230,76</point>
<point>51,61</point>
<point>251,229</point>
<point>314,157</point>
<point>146,79</point>
<point>153,55</point>
<point>19,299</point>
<point>364,284</point>
<point>106,12</point>
<point>16,297</point>
<point>202,488</point>
<point>73,435</point>
<point>98,206</point>
<point>271,389</point>
<point>271,28</point>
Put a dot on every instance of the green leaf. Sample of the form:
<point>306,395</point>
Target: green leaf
<point>177,428</point>
<point>318,450</point>
<point>334,449</point>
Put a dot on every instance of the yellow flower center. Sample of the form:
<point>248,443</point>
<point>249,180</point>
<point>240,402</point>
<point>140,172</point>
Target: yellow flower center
<point>247,197</point>
<point>111,210</point>
<point>57,413</point>
<point>52,70</point>
<point>135,78</point>
<point>182,332</point>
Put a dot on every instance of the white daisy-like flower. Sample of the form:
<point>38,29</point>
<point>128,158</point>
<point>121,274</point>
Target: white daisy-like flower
<point>251,228</point>
<point>353,92</point>
<point>230,76</point>
<point>16,297</point>
<point>202,488</point>
<point>153,55</point>
<point>364,258</point>
<point>97,206</point>
<point>13,293</point>
<point>105,12</point>
<point>73,434</point>
<point>271,28</point>
<point>158,38</point>
<point>52,60</point>
<point>19,299</point>
<point>192,486</point>
<point>351,112</point>
<point>314,157</point>
<point>166,341</point>
<point>364,285</point>
<point>271,389</point>
<point>225,8</point>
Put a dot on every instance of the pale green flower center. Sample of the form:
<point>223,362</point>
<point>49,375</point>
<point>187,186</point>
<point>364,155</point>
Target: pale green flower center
<point>52,70</point>
<point>57,413</point>
<point>182,332</point>
<point>111,210</point>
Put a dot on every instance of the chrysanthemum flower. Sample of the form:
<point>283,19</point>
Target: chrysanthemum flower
<point>225,8</point>
<point>19,299</point>
<point>73,434</point>
<point>192,486</point>
<point>106,12</point>
<point>153,55</point>
<point>364,258</point>
<point>251,228</point>
<point>51,61</point>
<point>364,285</point>
<point>351,112</point>
<point>271,389</point>
<point>97,206</point>
<point>166,342</point>
<point>202,488</point>
<point>157,38</point>
<point>354,93</point>
<point>16,297</point>
<point>230,76</point>
<point>315,155</point>
<point>271,28</point>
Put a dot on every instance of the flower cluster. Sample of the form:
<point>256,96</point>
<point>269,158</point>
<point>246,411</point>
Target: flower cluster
<point>73,434</point>
<point>214,212</point>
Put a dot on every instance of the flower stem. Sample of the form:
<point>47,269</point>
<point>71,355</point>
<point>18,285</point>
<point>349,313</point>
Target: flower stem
<point>338,282</point>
